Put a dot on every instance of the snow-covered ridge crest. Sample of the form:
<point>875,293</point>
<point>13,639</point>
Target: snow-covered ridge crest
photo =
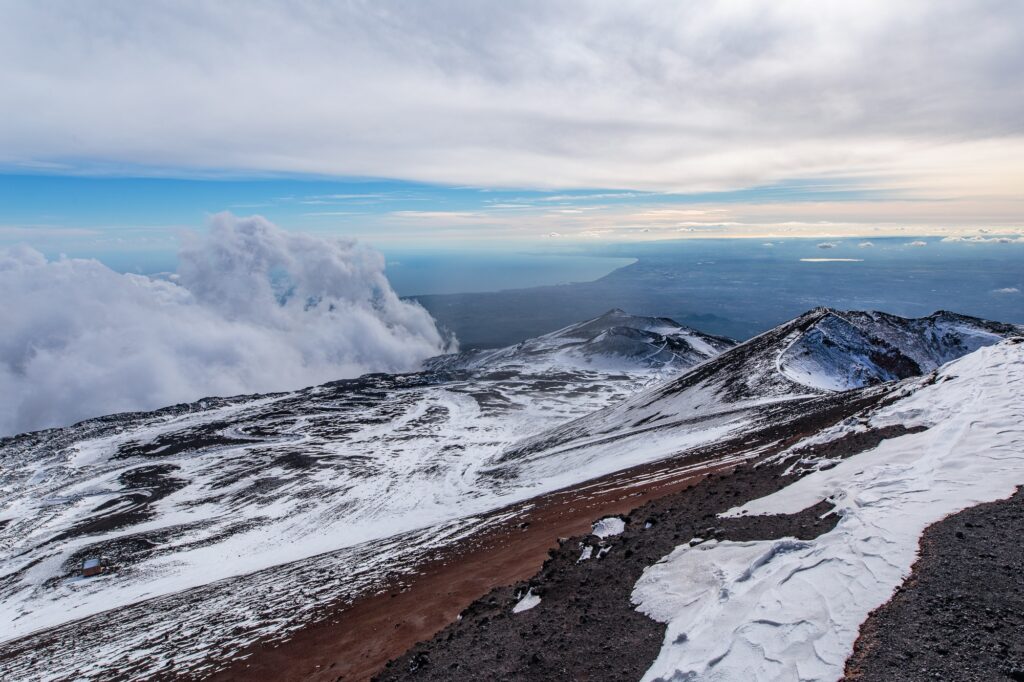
<point>212,490</point>
<point>819,353</point>
<point>844,350</point>
<point>614,340</point>
<point>787,609</point>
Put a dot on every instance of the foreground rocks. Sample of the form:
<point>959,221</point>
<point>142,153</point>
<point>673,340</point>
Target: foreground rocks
<point>960,615</point>
<point>585,627</point>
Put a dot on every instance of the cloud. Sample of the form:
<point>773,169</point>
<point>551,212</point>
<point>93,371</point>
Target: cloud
<point>831,260</point>
<point>977,239</point>
<point>827,245</point>
<point>253,309</point>
<point>765,221</point>
<point>918,243</point>
<point>668,96</point>
<point>11,232</point>
<point>1006,290</point>
<point>865,245</point>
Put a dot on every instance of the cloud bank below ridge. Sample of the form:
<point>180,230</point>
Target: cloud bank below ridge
<point>253,308</point>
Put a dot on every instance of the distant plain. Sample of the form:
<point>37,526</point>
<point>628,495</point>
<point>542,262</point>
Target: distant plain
<point>741,287</point>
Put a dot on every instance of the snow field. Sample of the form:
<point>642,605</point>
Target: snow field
<point>787,609</point>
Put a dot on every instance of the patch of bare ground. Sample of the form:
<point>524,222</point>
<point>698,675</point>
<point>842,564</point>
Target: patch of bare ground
<point>458,605</point>
<point>357,640</point>
<point>960,614</point>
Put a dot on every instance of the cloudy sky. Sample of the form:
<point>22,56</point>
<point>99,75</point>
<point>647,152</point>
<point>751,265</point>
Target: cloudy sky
<point>121,122</point>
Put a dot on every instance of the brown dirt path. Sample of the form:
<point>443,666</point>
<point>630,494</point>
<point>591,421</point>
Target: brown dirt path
<point>355,640</point>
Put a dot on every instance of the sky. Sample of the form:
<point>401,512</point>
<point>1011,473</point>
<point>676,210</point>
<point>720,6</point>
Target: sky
<point>210,198</point>
<point>450,124</point>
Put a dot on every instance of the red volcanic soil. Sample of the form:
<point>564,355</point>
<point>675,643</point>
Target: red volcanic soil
<point>355,640</point>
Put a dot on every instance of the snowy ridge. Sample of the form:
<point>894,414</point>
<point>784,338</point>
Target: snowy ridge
<point>788,609</point>
<point>615,340</point>
<point>818,353</point>
<point>178,498</point>
<point>721,396</point>
<point>354,479</point>
<point>844,350</point>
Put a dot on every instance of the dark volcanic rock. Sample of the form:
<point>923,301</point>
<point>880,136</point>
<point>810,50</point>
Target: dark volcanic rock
<point>585,627</point>
<point>960,615</point>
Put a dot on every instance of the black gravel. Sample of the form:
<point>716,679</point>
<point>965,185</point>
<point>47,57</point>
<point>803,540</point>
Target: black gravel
<point>960,615</point>
<point>585,627</point>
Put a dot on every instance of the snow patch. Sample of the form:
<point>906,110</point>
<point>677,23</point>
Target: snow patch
<point>788,609</point>
<point>609,526</point>
<point>528,601</point>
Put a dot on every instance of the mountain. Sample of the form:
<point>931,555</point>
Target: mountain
<point>853,349</point>
<point>776,569</point>
<point>195,493</point>
<point>612,341</point>
<point>234,521</point>
<point>771,378</point>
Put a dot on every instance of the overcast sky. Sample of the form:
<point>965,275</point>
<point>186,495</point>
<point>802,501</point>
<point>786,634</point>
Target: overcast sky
<point>913,110</point>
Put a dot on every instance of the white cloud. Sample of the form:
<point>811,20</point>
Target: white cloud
<point>917,243</point>
<point>1014,239</point>
<point>865,245</point>
<point>1006,290</point>
<point>253,309</point>
<point>19,232</point>
<point>764,221</point>
<point>664,95</point>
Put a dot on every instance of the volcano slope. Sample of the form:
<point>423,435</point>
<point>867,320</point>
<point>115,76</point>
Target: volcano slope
<point>236,524</point>
<point>769,572</point>
<point>316,496</point>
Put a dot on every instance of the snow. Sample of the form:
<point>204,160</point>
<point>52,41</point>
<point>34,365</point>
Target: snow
<point>356,479</point>
<point>615,341</point>
<point>848,350</point>
<point>359,477</point>
<point>608,527</point>
<point>212,531</point>
<point>528,601</point>
<point>788,609</point>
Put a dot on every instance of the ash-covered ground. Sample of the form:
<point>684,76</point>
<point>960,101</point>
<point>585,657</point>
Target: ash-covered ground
<point>236,523</point>
<point>960,615</point>
<point>586,626</point>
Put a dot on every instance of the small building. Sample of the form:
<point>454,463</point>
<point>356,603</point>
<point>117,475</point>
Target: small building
<point>93,566</point>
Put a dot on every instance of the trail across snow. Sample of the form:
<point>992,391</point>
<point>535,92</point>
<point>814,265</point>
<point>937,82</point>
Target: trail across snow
<point>360,478</point>
<point>788,609</point>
